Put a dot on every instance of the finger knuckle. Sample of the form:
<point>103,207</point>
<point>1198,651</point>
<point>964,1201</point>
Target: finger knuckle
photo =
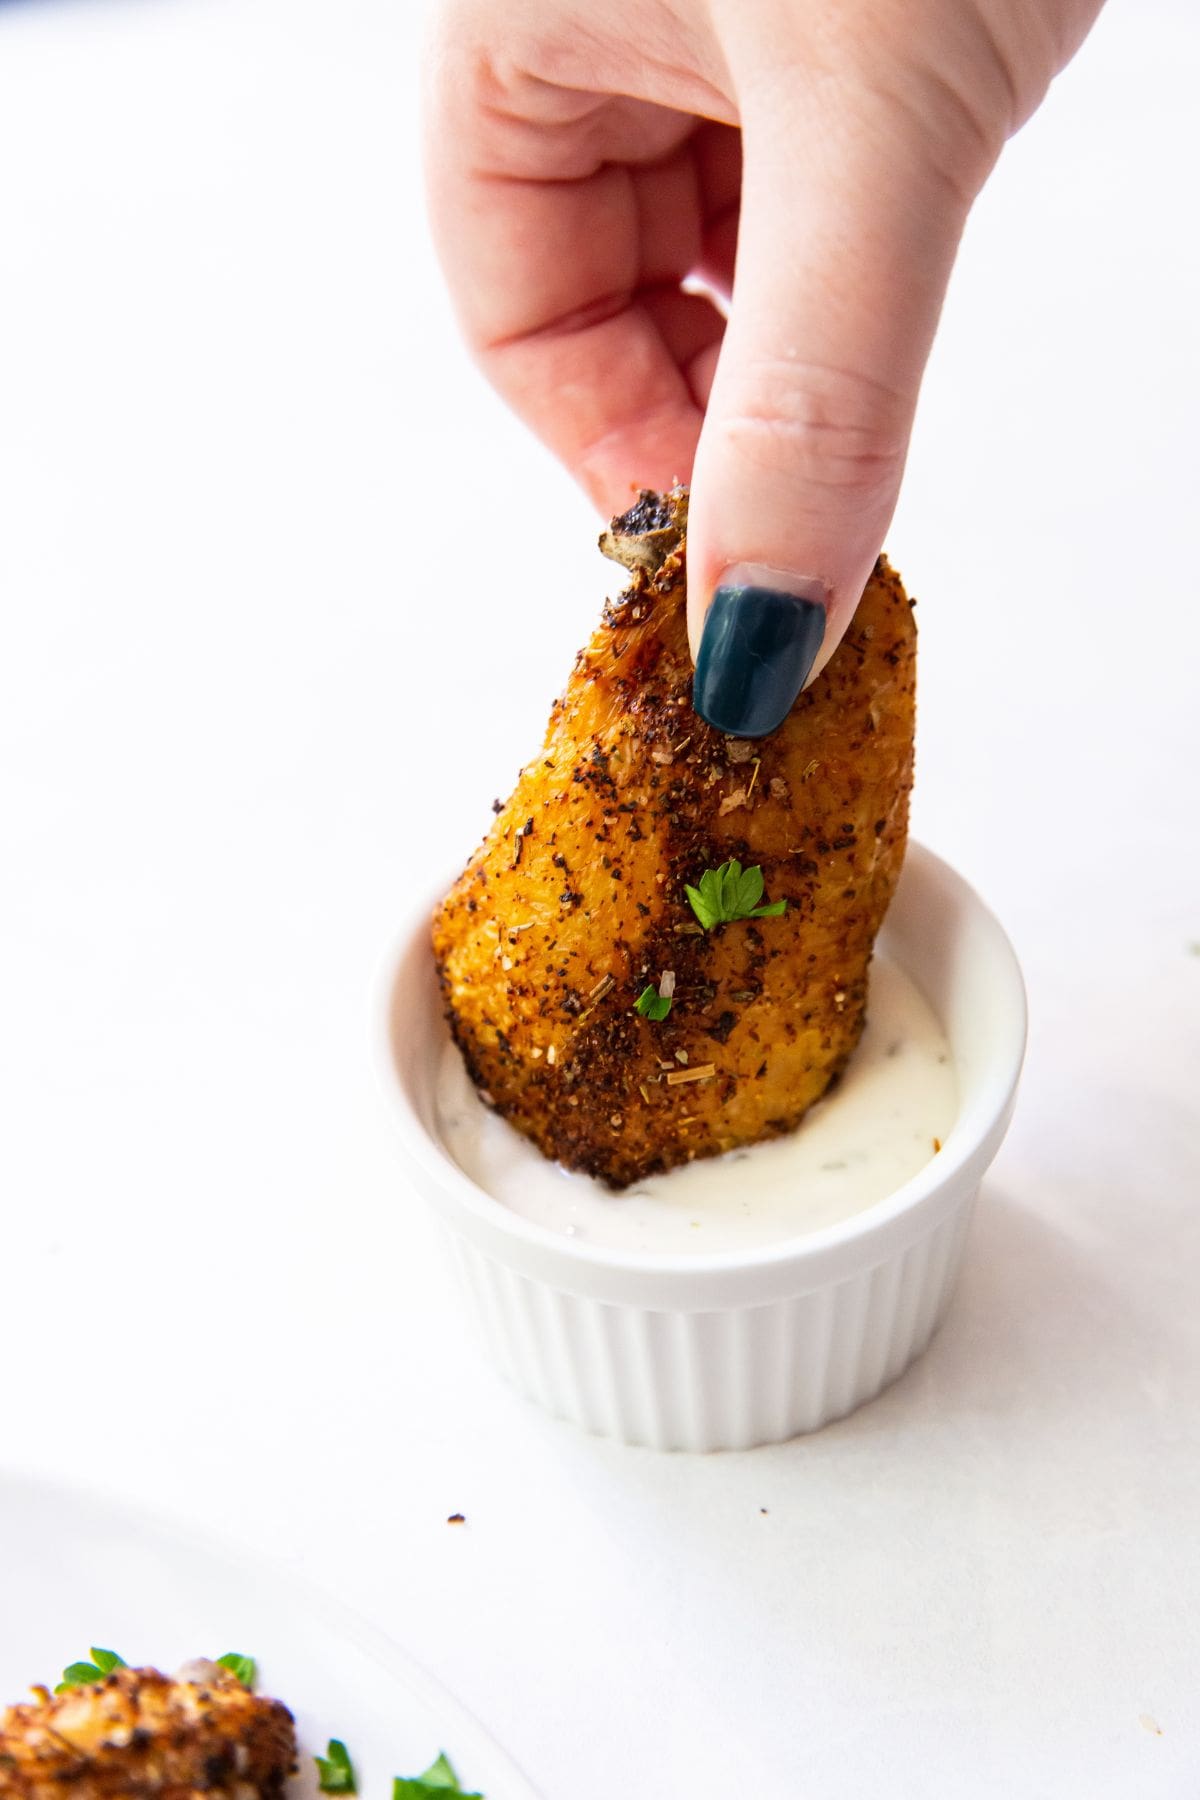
<point>832,429</point>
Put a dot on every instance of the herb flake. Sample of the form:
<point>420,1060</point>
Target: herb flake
<point>731,892</point>
<point>651,1004</point>
<point>83,1674</point>
<point>439,1779</point>
<point>244,1667</point>
<point>335,1772</point>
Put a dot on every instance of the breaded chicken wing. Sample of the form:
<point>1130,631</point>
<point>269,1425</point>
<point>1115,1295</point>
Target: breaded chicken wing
<point>576,901</point>
<point>139,1735</point>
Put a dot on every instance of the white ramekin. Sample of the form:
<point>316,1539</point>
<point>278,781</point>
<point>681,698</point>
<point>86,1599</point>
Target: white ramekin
<point>749,1347</point>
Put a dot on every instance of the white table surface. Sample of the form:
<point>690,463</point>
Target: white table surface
<point>271,639</point>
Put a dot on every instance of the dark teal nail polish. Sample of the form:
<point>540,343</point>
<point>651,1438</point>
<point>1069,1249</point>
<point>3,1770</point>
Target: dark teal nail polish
<point>756,651</point>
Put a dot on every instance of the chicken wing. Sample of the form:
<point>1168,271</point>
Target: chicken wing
<point>139,1735</point>
<point>575,902</point>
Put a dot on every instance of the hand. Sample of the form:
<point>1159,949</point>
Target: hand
<point>587,157</point>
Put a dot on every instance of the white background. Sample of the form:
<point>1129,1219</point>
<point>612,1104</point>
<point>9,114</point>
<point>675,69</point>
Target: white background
<point>276,625</point>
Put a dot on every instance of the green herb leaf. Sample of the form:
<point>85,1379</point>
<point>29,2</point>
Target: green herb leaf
<point>651,1004</point>
<point>244,1667</point>
<point>730,893</point>
<point>706,900</point>
<point>78,1675</point>
<point>749,889</point>
<point>440,1774</point>
<point>334,1770</point>
<point>83,1674</point>
<point>438,1779</point>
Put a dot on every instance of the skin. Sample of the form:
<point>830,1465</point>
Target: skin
<point>810,165</point>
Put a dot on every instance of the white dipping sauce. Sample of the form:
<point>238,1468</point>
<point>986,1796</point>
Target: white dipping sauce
<point>874,1131</point>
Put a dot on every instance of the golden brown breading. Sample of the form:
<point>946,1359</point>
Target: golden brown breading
<point>575,900</point>
<point>139,1735</point>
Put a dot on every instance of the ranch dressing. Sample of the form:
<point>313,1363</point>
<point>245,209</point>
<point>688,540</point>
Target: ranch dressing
<point>896,1101</point>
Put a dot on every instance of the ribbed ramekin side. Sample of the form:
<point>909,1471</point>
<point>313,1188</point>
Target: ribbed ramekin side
<point>716,1380</point>
<point>885,1317</point>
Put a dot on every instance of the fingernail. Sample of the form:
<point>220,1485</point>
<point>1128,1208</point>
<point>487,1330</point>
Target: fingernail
<point>759,642</point>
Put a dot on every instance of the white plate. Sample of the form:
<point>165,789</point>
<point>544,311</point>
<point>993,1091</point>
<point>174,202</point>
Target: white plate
<point>76,1572</point>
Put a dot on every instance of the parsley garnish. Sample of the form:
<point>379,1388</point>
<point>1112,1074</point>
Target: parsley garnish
<point>243,1667</point>
<point>82,1674</point>
<point>438,1779</point>
<point>729,893</point>
<point>334,1771</point>
<point>651,1004</point>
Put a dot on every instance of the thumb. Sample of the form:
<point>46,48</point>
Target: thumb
<point>846,242</point>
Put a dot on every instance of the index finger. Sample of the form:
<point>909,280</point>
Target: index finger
<point>565,236</point>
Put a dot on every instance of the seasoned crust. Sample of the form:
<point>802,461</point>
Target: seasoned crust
<point>575,899</point>
<point>140,1735</point>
